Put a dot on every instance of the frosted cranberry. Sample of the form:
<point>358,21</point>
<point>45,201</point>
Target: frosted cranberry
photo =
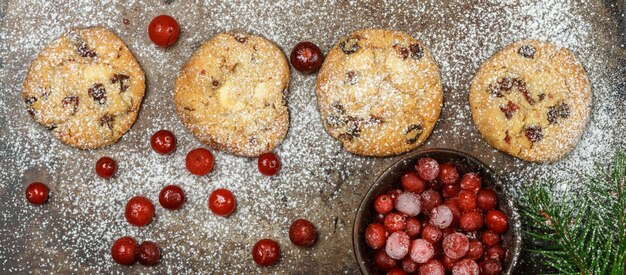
<point>441,216</point>
<point>163,142</point>
<point>395,222</point>
<point>448,174</point>
<point>172,197</point>
<point>409,265</point>
<point>269,164</point>
<point>497,221</point>
<point>448,262</point>
<point>467,200</point>
<point>453,205</point>
<point>222,202</point>
<point>383,204</point>
<point>496,252</point>
<point>106,167</point>
<point>432,234</point>
<point>375,235</point>
<point>490,267</point>
<point>199,161</point>
<point>306,57</point>
<point>303,233</point>
<point>266,252</point>
<point>396,271</point>
<point>450,190</point>
<point>421,251</point>
<point>139,211</point>
<point>397,245</point>
<point>149,253</point>
<point>427,169</point>
<point>476,250</point>
<point>489,238</point>
<point>412,227</point>
<point>383,261</point>
<point>486,199</point>
<point>163,30</point>
<point>465,267</point>
<point>455,245</point>
<point>394,193</point>
<point>430,199</point>
<point>432,267</point>
<point>124,251</point>
<point>471,221</point>
<point>411,182</point>
<point>471,182</point>
<point>37,193</point>
<point>408,203</point>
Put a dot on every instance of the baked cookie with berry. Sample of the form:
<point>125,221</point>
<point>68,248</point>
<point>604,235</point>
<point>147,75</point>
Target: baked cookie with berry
<point>86,87</point>
<point>231,94</point>
<point>531,100</point>
<point>379,92</point>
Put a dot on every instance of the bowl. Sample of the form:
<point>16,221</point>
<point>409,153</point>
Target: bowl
<point>390,179</point>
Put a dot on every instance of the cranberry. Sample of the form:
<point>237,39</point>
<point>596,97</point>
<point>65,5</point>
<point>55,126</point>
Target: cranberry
<point>432,267</point>
<point>486,199</point>
<point>302,233</point>
<point>409,265</point>
<point>489,238</point>
<point>453,205</point>
<point>163,142</point>
<point>412,227</point>
<point>37,193</point>
<point>421,251</point>
<point>394,193</point>
<point>427,168</point>
<point>497,221</point>
<point>496,252</point>
<point>375,235</point>
<point>448,262</point>
<point>383,261</point>
<point>172,197</point>
<point>491,267</point>
<point>266,252</point>
<point>106,167</point>
<point>476,250</point>
<point>465,267</point>
<point>222,202</point>
<point>397,245</point>
<point>448,174</point>
<point>383,204</point>
<point>467,200</point>
<point>471,182</point>
<point>199,161</point>
<point>441,216</point>
<point>451,190</point>
<point>163,30</point>
<point>395,222</point>
<point>430,199</point>
<point>411,182</point>
<point>396,271</point>
<point>124,251</point>
<point>455,245</point>
<point>408,203</point>
<point>471,221</point>
<point>432,234</point>
<point>269,164</point>
<point>306,57</point>
<point>139,211</point>
<point>149,253</point>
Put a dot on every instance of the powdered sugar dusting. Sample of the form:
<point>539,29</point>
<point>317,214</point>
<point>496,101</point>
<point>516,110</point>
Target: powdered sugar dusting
<point>319,181</point>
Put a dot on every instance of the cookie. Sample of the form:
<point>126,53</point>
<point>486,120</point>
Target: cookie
<point>231,94</point>
<point>531,100</point>
<point>379,92</point>
<point>85,87</point>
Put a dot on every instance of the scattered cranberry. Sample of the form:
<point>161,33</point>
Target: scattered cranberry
<point>409,265</point>
<point>269,164</point>
<point>413,227</point>
<point>455,245</point>
<point>266,252</point>
<point>471,182</point>
<point>448,175</point>
<point>149,253</point>
<point>432,267</point>
<point>489,238</point>
<point>427,168</point>
<point>497,221</point>
<point>375,235</point>
<point>302,233</point>
<point>222,202</point>
<point>486,199</point>
<point>106,167</point>
<point>496,252</point>
<point>396,271</point>
<point>397,245</point>
<point>383,204</point>
<point>408,203</point>
<point>172,197</point>
<point>411,182</point>
<point>421,251</point>
<point>306,57</point>
<point>430,199</point>
<point>471,221</point>
<point>441,216</point>
<point>475,251</point>
<point>450,190</point>
<point>163,30</point>
<point>383,261</point>
<point>163,142</point>
<point>465,267</point>
<point>448,262</point>
<point>395,222</point>
<point>37,193</point>
<point>453,205</point>
<point>124,251</point>
<point>199,161</point>
<point>139,211</point>
<point>432,234</point>
<point>467,200</point>
<point>491,267</point>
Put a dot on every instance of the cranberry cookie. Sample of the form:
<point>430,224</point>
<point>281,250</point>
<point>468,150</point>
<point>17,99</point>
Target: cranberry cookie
<point>531,100</point>
<point>85,87</point>
<point>379,92</point>
<point>231,94</point>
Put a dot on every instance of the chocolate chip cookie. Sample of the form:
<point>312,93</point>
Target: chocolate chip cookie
<point>85,87</point>
<point>531,100</point>
<point>379,92</point>
<point>231,94</point>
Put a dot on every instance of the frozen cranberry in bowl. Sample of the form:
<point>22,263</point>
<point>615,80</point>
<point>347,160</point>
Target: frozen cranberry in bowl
<point>383,233</point>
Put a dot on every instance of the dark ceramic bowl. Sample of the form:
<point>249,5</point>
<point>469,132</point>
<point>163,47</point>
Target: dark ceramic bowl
<point>390,179</point>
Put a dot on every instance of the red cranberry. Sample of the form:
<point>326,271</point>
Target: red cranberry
<point>222,202</point>
<point>383,204</point>
<point>172,197</point>
<point>467,200</point>
<point>395,222</point>
<point>455,245</point>
<point>453,204</point>
<point>448,262</point>
<point>37,193</point>
<point>139,211</point>
<point>124,251</point>
<point>441,216</point>
<point>427,168</point>
<point>497,221</point>
<point>302,233</point>
<point>383,261</point>
<point>448,175</point>
<point>471,221</point>
<point>476,250</point>
<point>413,227</point>
<point>163,30</point>
<point>375,235</point>
<point>163,142</point>
<point>429,200</point>
<point>396,271</point>
<point>489,238</point>
<point>450,190</point>
<point>465,267</point>
<point>432,234</point>
<point>409,265</point>
<point>421,251</point>
<point>199,161</point>
<point>149,253</point>
<point>411,182</point>
<point>397,245</point>
<point>486,199</point>
<point>496,252</point>
<point>269,164</point>
<point>106,167</point>
<point>266,252</point>
<point>471,182</point>
<point>432,267</point>
<point>491,267</point>
<point>306,57</point>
